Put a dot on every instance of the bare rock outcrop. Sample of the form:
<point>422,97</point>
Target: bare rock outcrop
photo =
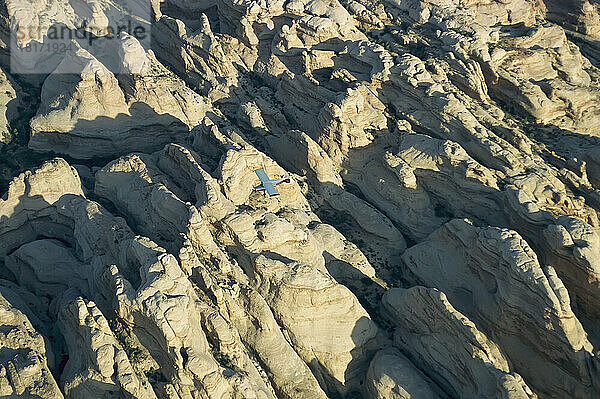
<point>31,192</point>
<point>392,376</point>
<point>164,314</point>
<point>144,288</point>
<point>436,335</point>
<point>577,15</point>
<point>24,370</point>
<point>48,268</point>
<point>447,144</point>
<point>564,95</point>
<point>565,241</point>
<point>339,341</point>
<point>299,152</point>
<point>492,276</point>
<point>40,31</point>
<point>8,106</point>
<point>198,55</point>
<point>94,94</point>
<point>435,178</point>
<point>153,204</point>
<point>288,247</point>
<point>162,170</point>
<point>102,368</point>
<point>522,61</point>
<point>259,329</point>
<point>104,115</point>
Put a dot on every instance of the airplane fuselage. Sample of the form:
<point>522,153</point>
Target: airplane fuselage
<point>269,185</point>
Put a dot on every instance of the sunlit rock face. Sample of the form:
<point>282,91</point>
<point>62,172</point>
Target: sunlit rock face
<point>433,230</point>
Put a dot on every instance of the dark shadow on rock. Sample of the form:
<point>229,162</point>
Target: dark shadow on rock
<point>143,131</point>
<point>191,18</point>
<point>367,291</point>
<point>356,371</point>
<point>25,234</point>
<point>33,221</point>
<point>14,156</point>
<point>210,151</point>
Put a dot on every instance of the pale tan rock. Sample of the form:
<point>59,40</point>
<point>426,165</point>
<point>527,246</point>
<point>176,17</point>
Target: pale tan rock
<point>238,179</point>
<point>391,185</point>
<point>253,232</point>
<point>92,95</point>
<point>157,210</point>
<point>392,376</point>
<point>147,83</point>
<point>261,231</point>
<point>97,364</point>
<point>299,151</point>
<point>347,123</point>
<point>229,344</point>
<point>198,55</point>
<point>159,306</point>
<point>94,114</point>
<point>481,12</point>
<point>449,175</point>
<point>318,20</point>
<point>437,336</point>
<point>336,341</point>
<point>577,15</point>
<point>528,65</point>
<point>35,308</point>
<point>493,276</point>
<point>210,200</point>
<point>300,89</point>
<point>291,376</point>
<point>343,251</point>
<point>349,118</point>
<point>31,192</point>
<point>451,114</point>
<point>166,184</point>
<point>8,106</point>
<point>52,23</point>
<point>164,304</point>
<point>564,95</point>
<point>568,243</point>
<point>24,368</point>
<point>253,318</point>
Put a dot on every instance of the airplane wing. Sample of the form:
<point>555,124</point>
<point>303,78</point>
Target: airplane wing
<point>262,175</point>
<point>266,182</point>
<point>270,189</point>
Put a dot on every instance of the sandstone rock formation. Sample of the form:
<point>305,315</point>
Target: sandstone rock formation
<point>579,16</point>
<point>436,335</point>
<point>103,115</point>
<point>105,370</point>
<point>439,235</point>
<point>392,375</point>
<point>493,276</point>
<point>24,363</point>
<point>8,106</point>
<point>283,260</point>
<point>159,307</point>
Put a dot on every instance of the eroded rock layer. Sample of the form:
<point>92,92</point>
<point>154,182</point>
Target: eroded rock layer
<point>435,232</point>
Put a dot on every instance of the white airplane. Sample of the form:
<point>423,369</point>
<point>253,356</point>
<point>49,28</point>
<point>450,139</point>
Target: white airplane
<point>267,184</point>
